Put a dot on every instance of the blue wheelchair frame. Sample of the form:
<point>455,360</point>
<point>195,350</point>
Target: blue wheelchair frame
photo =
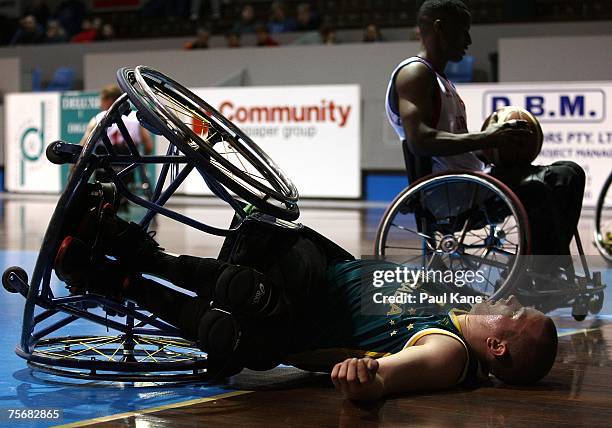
<point>38,291</point>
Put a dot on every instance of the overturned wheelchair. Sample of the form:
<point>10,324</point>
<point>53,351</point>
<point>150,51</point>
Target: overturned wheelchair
<point>458,222</point>
<point>201,139</point>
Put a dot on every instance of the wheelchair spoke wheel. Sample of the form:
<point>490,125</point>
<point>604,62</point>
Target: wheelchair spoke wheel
<point>603,221</point>
<point>216,144</point>
<point>454,224</point>
<point>120,357</point>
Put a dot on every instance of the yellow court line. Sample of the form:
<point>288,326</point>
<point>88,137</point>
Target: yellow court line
<point>153,409</point>
<point>583,331</point>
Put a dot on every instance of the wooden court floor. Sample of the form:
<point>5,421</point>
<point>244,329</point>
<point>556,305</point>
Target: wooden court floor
<point>577,392</point>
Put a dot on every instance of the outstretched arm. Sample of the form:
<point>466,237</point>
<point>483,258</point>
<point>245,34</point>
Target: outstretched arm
<point>436,363</point>
<point>414,85</point>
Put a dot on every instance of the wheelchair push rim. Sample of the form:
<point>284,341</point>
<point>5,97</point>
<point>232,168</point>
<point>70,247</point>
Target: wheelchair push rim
<point>494,247</point>
<point>224,151</point>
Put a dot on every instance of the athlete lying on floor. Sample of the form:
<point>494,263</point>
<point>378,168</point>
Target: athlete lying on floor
<point>292,296</point>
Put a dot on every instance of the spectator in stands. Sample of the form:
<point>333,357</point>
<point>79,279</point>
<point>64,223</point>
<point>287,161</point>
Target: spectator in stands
<point>38,9</point>
<point>263,36</point>
<point>29,32</point>
<point>372,34</point>
<point>233,40</point>
<point>279,21</point>
<point>201,40</point>
<point>55,32</point>
<point>89,31</point>
<point>247,22</point>
<point>307,20</point>
<point>328,35</point>
<point>70,14</point>
<point>107,32</point>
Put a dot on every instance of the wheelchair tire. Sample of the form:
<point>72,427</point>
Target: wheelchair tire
<point>399,234</point>
<point>231,158</point>
<point>603,224</point>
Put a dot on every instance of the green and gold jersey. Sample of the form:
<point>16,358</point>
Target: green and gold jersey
<point>344,325</point>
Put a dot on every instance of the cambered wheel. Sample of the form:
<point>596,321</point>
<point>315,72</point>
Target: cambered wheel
<point>119,358</point>
<point>216,144</point>
<point>459,222</point>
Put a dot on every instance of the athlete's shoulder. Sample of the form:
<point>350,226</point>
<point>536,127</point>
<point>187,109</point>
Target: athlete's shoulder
<point>414,75</point>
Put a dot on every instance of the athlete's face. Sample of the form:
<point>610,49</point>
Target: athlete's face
<point>455,36</point>
<point>509,313</point>
<point>105,103</point>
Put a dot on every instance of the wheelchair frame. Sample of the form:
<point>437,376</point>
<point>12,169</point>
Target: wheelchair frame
<point>164,356</point>
<point>581,293</point>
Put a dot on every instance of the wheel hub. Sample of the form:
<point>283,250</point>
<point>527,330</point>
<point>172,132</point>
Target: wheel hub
<point>449,244</point>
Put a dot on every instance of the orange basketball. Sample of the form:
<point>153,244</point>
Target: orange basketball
<point>512,154</point>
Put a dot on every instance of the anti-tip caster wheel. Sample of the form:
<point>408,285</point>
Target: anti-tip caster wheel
<point>7,278</point>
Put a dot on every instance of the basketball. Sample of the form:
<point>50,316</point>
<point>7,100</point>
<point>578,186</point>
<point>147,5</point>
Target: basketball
<point>512,154</point>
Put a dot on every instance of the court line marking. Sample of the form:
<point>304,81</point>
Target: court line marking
<point>582,330</point>
<point>153,409</point>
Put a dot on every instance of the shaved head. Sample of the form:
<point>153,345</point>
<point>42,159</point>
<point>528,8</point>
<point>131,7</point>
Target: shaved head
<point>432,10</point>
<point>531,354</point>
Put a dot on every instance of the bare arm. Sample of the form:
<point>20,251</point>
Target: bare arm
<point>147,141</point>
<point>414,85</point>
<point>437,363</point>
<point>90,126</point>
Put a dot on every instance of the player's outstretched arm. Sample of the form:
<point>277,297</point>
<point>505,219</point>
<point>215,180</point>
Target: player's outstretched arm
<point>436,363</point>
<point>415,85</point>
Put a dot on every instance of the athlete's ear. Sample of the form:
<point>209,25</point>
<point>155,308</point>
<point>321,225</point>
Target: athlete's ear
<point>437,25</point>
<point>496,347</point>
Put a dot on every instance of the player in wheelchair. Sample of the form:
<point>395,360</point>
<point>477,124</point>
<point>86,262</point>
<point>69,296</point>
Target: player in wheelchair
<point>278,292</point>
<point>485,206</point>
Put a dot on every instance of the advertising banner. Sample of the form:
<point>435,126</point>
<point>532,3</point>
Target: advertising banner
<point>77,109</point>
<point>31,123</point>
<point>574,118</point>
<point>311,132</point>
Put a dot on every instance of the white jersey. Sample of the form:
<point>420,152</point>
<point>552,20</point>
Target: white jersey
<point>114,134</point>
<point>449,116</point>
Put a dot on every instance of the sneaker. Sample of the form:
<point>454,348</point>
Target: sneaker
<point>109,279</point>
<point>72,261</point>
<point>133,246</point>
<point>110,235</point>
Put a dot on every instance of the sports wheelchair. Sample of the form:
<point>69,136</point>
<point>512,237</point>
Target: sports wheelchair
<point>234,168</point>
<point>460,221</point>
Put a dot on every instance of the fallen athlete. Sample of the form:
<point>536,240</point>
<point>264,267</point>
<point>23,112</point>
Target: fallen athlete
<point>283,295</point>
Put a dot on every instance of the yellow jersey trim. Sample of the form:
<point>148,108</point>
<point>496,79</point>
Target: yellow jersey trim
<point>433,330</point>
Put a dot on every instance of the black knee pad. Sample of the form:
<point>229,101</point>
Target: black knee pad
<point>243,290</point>
<point>218,333</point>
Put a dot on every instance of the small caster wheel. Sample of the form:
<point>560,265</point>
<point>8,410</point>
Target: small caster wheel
<point>13,270</point>
<point>596,303</point>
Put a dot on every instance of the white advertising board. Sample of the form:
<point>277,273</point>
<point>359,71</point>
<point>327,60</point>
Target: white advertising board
<point>311,132</point>
<point>575,119</point>
<point>32,121</point>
